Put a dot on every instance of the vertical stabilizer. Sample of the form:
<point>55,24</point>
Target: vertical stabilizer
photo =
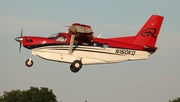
<point>148,34</point>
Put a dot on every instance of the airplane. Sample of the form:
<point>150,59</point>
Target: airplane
<point>80,47</point>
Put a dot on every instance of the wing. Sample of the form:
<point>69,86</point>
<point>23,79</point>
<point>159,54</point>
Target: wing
<point>80,33</point>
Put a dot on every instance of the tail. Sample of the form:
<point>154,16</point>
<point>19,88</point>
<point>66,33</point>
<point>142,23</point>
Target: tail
<point>148,34</point>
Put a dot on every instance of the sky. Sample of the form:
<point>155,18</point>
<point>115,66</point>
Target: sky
<point>156,79</point>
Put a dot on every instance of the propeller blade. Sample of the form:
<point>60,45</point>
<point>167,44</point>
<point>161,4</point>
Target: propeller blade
<point>21,32</point>
<point>21,41</point>
<point>20,47</point>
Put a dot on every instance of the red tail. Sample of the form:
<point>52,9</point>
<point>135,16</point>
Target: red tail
<point>148,34</point>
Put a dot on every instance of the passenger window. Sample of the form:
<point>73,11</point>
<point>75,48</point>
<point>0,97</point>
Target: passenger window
<point>62,39</point>
<point>94,44</point>
<point>105,45</point>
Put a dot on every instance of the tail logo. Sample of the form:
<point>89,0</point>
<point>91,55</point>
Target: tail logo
<point>149,31</point>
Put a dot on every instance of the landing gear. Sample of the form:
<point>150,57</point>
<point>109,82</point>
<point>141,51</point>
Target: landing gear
<point>76,66</point>
<point>29,62</point>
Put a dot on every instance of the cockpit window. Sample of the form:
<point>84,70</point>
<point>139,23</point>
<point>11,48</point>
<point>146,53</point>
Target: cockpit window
<point>53,36</point>
<point>62,39</point>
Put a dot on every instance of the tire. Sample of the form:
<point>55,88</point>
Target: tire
<point>73,69</point>
<point>77,64</point>
<point>29,64</point>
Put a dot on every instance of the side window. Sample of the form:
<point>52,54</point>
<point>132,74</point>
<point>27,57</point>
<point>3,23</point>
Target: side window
<point>62,39</point>
<point>97,44</point>
<point>105,45</point>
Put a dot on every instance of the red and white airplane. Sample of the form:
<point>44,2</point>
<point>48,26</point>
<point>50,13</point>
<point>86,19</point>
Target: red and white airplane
<point>79,47</point>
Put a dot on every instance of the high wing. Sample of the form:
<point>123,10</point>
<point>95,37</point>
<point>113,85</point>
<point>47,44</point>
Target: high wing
<point>80,33</point>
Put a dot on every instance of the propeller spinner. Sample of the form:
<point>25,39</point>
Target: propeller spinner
<point>19,39</point>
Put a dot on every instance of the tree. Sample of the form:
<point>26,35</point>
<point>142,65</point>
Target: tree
<point>31,95</point>
<point>175,100</point>
<point>12,96</point>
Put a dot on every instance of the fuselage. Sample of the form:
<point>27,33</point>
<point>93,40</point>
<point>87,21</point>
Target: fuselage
<point>101,50</point>
<point>89,54</point>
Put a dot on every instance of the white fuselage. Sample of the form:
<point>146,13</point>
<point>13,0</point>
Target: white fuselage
<point>88,54</point>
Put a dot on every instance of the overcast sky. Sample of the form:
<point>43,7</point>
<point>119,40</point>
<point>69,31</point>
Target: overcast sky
<point>154,80</point>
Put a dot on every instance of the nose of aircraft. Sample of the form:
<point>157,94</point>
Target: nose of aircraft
<point>18,39</point>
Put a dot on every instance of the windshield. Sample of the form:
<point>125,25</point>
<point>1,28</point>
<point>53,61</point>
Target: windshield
<point>53,36</point>
<point>62,39</point>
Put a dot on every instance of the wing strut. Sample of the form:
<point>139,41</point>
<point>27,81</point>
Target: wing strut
<point>71,43</point>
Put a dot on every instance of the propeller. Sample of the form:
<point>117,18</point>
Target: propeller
<point>19,39</point>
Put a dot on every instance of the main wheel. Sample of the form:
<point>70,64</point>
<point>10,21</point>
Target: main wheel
<point>29,63</point>
<point>73,69</point>
<point>76,66</point>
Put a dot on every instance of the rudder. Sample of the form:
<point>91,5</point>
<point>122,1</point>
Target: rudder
<point>148,34</point>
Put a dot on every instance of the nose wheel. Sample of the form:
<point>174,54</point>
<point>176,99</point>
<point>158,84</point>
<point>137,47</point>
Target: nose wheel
<point>29,62</point>
<point>76,66</point>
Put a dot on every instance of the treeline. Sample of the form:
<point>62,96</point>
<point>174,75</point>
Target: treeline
<point>35,94</point>
<point>32,95</point>
<point>175,100</point>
